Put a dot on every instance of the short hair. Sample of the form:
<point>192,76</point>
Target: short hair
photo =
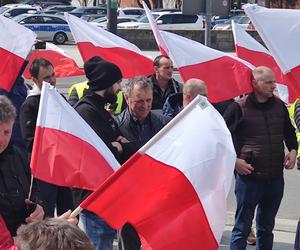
<point>7,110</point>
<point>156,61</point>
<point>194,86</point>
<point>140,81</point>
<point>258,72</point>
<point>35,66</point>
<point>52,234</point>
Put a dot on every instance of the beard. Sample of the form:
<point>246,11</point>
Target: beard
<point>110,96</point>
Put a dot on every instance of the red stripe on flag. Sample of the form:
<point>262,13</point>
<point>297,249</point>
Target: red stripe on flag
<point>66,160</point>
<point>291,79</point>
<point>10,67</point>
<point>63,66</point>
<point>225,77</point>
<point>130,63</point>
<point>262,59</point>
<point>258,58</point>
<point>158,200</point>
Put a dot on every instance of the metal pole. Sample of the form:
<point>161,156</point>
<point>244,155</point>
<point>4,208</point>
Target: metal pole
<point>112,7</point>
<point>208,23</point>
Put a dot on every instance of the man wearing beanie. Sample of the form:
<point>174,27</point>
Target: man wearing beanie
<point>104,80</point>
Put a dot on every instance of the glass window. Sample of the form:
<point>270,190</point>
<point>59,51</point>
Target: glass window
<point>54,20</point>
<point>133,12</point>
<point>166,19</point>
<point>179,18</point>
<point>16,12</point>
<point>33,19</point>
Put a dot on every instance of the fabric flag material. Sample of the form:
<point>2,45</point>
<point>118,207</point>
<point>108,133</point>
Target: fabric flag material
<point>284,46</point>
<point>159,39</point>
<point>64,65</point>
<point>66,150</point>
<point>226,76</point>
<point>92,41</point>
<point>174,189</point>
<point>248,49</point>
<point>15,44</point>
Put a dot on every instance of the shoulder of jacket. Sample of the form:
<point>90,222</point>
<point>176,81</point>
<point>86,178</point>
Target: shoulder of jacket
<point>122,118</point>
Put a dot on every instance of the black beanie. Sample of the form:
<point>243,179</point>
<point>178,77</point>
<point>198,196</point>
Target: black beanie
<point>101,74</point>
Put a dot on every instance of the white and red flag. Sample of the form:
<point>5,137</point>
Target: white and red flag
<point>248,49</point>
<point>282,40</point>
<point>174,189</point>
<point>15,44</point>
<point>66,150</point>
<point>226,76</point>
<point>159,39</point>
<point>64,65</point>
<point>95,41</point>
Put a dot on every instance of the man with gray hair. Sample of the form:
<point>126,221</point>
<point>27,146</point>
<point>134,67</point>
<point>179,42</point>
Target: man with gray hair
<point>176,102</point>
<point>52,233</point>
<point>138,124</point>
<point>15,208</point>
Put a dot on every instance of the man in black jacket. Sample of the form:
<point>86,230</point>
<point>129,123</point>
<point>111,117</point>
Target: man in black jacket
<point>163,83</point>
<point>14,175</point>
<point>49,195</point>
<point>138,124</point>
<point>104,80</point>
<point>259,124</point>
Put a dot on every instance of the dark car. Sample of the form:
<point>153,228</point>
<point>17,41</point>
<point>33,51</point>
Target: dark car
<point>92,17</point>
<point>58,8</point>
<point>80,11</point>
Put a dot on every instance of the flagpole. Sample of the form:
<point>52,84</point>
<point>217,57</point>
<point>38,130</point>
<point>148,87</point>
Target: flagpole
<point>30,188</point>
<point>76,211</point>
<point>198,100</point>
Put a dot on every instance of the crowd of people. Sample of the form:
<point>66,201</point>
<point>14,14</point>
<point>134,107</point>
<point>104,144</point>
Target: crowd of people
<point>126,116</point>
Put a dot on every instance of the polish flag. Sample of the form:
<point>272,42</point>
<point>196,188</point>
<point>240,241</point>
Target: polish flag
<point>282,39</point>
<point>226,76</point>
<point>66,150</point>
<point>95,41</point>
<point>64,65</point>
<point>248,49</point>
<point>159,39</point>
<point>174,189</point>
<point>15,44</point>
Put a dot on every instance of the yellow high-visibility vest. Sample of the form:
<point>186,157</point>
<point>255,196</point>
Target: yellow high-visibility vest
<point>82,86</point>
<point>292,117</point>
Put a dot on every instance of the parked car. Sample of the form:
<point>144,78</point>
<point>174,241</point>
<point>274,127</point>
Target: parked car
<point>131,12</point>
<point>58,8</point>
<point>80,11</point>
<point>47,27</point>
<point>243,21</point>
<point>167,21</point>
<point>102,22</point>
<point>45,4</point>
<point>12,10</point>
<point>92,17</point>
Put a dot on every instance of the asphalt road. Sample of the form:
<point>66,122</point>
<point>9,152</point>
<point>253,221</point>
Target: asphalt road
<point>290,206</point>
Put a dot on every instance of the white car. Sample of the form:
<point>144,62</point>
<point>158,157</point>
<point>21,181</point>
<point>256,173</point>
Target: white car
<point>47,27</point>
<point>12,10</point>
<point>130,12</point>
<point>168,21</point>
<point>243,21</point>
<point>102,21</point>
